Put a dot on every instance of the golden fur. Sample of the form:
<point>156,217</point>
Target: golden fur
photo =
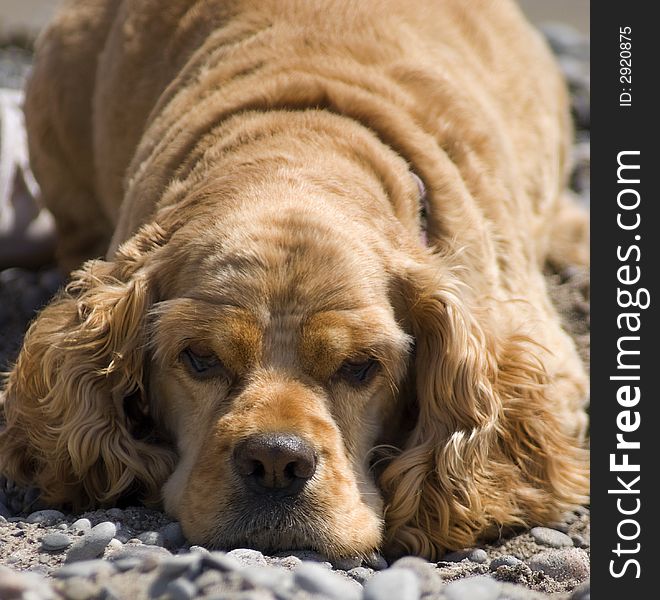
<point>247,169</point>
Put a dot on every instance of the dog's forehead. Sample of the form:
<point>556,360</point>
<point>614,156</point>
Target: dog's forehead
<point>286,266</point>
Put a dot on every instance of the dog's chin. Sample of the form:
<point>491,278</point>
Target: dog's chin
<point>273,527</point>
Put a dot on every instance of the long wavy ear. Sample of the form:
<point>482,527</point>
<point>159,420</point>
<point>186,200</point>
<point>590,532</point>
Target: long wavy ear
<point>71,398</point>
<point>488,447</point>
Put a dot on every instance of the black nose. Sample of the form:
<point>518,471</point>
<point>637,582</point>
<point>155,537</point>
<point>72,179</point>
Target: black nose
<point>275,463</point>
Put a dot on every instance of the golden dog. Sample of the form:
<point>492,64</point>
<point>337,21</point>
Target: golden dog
<point>293,342</point>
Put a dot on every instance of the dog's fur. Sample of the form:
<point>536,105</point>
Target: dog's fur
<point>249,170</point>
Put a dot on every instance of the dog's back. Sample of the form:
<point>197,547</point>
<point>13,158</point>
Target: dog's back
<point>471,78</point>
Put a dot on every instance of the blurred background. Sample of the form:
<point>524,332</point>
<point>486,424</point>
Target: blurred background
<point>30,15</point>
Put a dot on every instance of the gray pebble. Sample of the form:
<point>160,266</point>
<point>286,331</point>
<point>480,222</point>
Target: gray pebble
<point>504,561</point>
<point>125,536</point>
<point>279,581</point>
<point>478,555</point>
<point>582,592</point>
<point>393,584</point>
<point>550,537</point>
<point>15,584</point>
<point>310,556</point>
<point>190,564</point>
<point>54,542</point>
<point>151,537</point>
<point>199,549</point>
<point>127,564</point>
<point>77,588</point>
<point>346,563</point>
<point>248,557</point>
<point>427,573</point>
<point>286,562</point>
<point>361,574</point>
<point>172,536</point>
<point>181,589</point>
<point>210,578</point>
<point>316,579</point>
<point>45,517</point>
<point>221,561</point>
<point>376,561</point>
<point>81,525</point>
<point>563,527</point>
<point>153,554</point>
<point>562,565</point>
<point>116,514</point>
<point>93,543</point>
<point>473,588</point>
<point>84,568</point>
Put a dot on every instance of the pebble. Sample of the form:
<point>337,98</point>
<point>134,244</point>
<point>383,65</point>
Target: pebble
<point>221,561</point>
<point>127,564</point>
<point>346,563</point>
<point>504,561</point>
<point>473,588</point>
<point>84,568</point>
<point>77,588</point>
<point>316,579</point>
<point>171,536</point>
<point>286,562</point>
<point>190,564</point>
<point>151,556</point>
<point>54,542</point>
<point>45,517</point>
<point>376,561</point>
<point>563,527</point>
<point>361,574</point>
<point>279,581</point>
<point>115,513</point>
<point>551,537</point>
<point>393,584</point>
<point>563,565</point>
<point>209,579</point>
<point>152,538</point>
<point>430,579</point>
<point>310,556</point>
<point>181,589</point>
<point>582,592</point>
<point>14,584</point>
<point>81,525</point>
<point>248,557</point>
<point>93,543</point>
<point>478,555</point>
<point>115,545</point>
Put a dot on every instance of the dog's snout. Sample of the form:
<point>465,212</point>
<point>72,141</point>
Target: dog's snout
<point>274,463</point>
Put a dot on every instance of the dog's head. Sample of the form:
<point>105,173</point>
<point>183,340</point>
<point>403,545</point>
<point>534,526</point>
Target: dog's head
<point>291,377</point>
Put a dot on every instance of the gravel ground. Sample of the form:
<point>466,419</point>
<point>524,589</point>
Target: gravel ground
<point>139,553</point>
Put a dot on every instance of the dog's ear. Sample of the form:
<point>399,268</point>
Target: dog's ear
<point>67,428</point>
<point>486,449</point>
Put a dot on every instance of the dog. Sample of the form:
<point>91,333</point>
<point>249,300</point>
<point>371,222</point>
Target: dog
<point>320,320</point>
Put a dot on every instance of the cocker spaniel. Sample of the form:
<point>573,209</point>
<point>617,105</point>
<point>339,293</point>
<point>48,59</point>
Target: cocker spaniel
<point>321,320</point>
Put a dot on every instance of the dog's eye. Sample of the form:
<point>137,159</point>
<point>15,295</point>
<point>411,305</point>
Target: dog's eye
<point>202,365</point>
<point>358,372</point>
